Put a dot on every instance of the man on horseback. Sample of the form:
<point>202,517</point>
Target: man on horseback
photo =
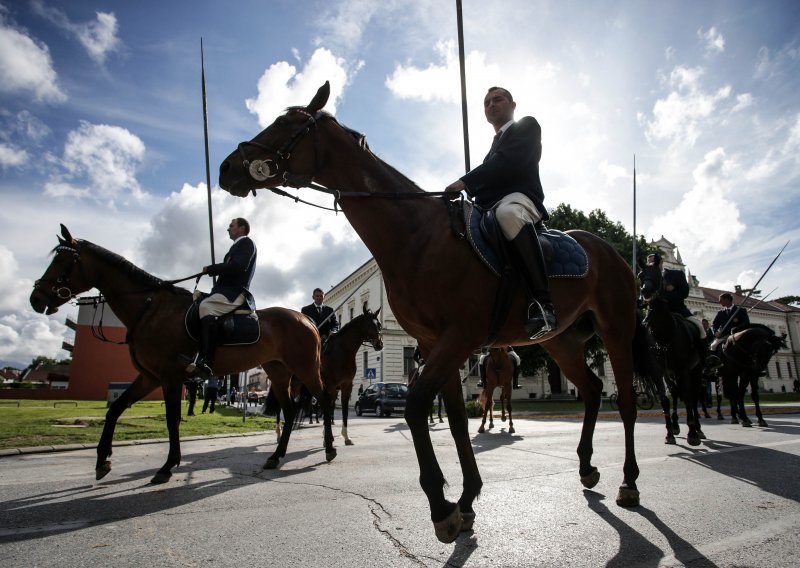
<point>508,180</point>
<point>322,315</point>
<point>728,318</point>
<point>515,363</point>
<point>231,291</point>
<point>675,292</point>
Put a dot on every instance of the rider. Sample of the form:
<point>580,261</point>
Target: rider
<point>508,180</point>
<point>231,291</point>
<point>515,363</point>
<point>676,290</point>
<point>728,318</point>
<point>322,315</point>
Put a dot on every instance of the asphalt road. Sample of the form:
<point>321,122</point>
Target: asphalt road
<point>731,502</point>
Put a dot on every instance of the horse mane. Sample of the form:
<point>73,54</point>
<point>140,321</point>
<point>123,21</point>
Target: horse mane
<point>129,269</point>
<point>768,330</point>
<point>351,323</point>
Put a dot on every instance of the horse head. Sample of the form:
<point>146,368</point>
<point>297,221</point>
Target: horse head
<point>373,331</point>
<point>651,281</point>
<point>60,282</point>
<point>754,346</point>
<point>279,154</point>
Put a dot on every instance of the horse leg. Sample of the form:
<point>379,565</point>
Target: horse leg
<point>510,420</point>
<point>690,400</point>
<point>430,418</point>
<point>665,406</point>
<point>503,404</point>
<point>458,423</point>
<point>676,423</point>
<point>172,403</point>
<point>490,404</point>
<point>742,391</point>
<point>327,420</point>
<point>481,428</point>
<point>141,387</point>
<point>756,397</point>
<point>719,399</point>
<point>439,397</point>
<point>564,349</point>
<point>440,371</point>
<point>346,392</point>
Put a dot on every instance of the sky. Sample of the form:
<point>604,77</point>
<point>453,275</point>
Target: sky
<point>101,127</point>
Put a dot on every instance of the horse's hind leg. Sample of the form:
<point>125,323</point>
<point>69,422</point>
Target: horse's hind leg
<point>741,392</point>
<point>510,419</point>
<point>755,396</point>
<point>718,390</point>
<point>665,405</point>
<point>676,423</point>
<point>172,403</point>
<point>140,388</point>
<point>346,392</point>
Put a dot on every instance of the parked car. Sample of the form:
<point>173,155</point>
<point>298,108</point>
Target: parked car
<point>382,399</point>
<point>257,396</point>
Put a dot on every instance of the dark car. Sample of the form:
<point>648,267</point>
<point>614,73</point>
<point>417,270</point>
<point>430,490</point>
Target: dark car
<point>382,399</point>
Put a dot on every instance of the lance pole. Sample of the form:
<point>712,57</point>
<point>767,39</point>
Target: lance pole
<point>750,293</point>
<point>764,299</point>
<point>208,168</point>
<point>633,258</point>
<point>463,84</point>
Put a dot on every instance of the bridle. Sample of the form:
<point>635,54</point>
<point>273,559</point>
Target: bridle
<point>277,164</point>
<point>61,285</point>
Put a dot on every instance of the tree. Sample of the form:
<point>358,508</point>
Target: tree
<point>788,300</point>
<point>564,218</point>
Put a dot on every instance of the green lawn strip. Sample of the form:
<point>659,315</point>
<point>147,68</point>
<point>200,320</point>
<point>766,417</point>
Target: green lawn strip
<point>38,423</point>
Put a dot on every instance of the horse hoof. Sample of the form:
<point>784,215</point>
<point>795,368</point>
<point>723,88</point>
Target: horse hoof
<point>467,520</point>
<point>447,530</point>
<point>676,430</point>
<point>669,439</point>
<point>720,417</point>
<point>502,419</point>
<point>591,479</point>
<point>734,421</point>
<point>330,454</point>
<point>747,424</point>
<point>511,430</point>
<point>441,421</point>
<point>102,470</point>
<point>693,440</point>
<point>161,477</point>
<point>481,429</point>
<point>701,435</point>
<point>271,463</point>
<point>763,423</point>
<point>348,442</point>
<point>628,497</point>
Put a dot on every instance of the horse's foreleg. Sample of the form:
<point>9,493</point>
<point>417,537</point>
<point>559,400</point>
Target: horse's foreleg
<point>327,419</point>
<point>140,387</point>
<point>676,423</point>
<point>490,404</point>
<point>345,403</point>
<point>744,381</point>
<point>718,390</point>
<point>665,406</point>
<point>172,403</point>
<point>510,420</point>
<point>459,429</point>
<point>755,396</point>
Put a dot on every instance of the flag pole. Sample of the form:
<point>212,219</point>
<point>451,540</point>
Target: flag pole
<point>633,260</point>
<point>208,169</point>
<point>463,84</point>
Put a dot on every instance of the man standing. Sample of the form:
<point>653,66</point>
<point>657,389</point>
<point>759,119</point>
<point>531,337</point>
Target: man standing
<point>508,180</point>
<point>211,394</point>
<point>322,315</point>
<point>231,291</point>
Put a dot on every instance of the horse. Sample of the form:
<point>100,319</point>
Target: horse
<point>499,372</point>
<point>745,355</point>
<point>681,361</point>
<point>153,312</point>
<point>421,258</point>
<point>436,403</point>
<point>412,377</point>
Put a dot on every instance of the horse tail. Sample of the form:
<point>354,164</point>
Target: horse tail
<point>645,364</point>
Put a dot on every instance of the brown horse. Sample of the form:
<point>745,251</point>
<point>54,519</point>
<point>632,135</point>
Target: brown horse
<point>153,313</point>
<point>430,275</point>
<point>499,372</point>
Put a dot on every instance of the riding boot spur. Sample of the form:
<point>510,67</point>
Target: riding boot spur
<point>201,365</point>
<point>541,317</point>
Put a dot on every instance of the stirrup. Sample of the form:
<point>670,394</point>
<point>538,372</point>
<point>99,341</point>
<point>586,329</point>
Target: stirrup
<point>545,328</point>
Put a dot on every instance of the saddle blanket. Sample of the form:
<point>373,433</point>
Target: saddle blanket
<point>234,329</point>
<point>564,256</point>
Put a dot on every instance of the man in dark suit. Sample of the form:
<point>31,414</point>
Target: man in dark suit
<point>231,291</point>
<point>322,315</point>
<point>728,318</point>
<point>508,180</point>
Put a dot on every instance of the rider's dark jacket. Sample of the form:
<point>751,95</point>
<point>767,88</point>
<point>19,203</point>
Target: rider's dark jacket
<point>319,315</point>
<point>236,271</point>
<point>740,319</point>
<point>511,166</point>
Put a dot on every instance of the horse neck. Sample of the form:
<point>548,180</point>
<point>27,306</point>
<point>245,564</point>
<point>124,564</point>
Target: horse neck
<point>349,339</point>
<point>662,324</point>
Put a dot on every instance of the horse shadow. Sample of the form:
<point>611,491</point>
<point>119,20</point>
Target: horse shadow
<point>487,441</point>
<point>634,547</point>
<point>130,495</point>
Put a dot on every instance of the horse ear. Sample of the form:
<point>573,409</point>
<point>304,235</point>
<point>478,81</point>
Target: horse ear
<point>65,233</point>
<point>320,99</point>
<point>376,313</point>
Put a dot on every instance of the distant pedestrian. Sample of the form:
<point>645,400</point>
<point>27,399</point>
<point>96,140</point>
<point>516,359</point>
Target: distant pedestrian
<point>212,391</point>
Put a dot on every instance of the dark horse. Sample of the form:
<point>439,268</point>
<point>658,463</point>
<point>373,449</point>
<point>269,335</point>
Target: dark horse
<point>680,360</point>
<point>499,372</point>
<point>430,274</point>
<point>745,356</point>
<point>153,313</point>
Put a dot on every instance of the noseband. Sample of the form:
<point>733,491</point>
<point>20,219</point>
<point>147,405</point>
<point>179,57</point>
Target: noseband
<point>277,165</point>
<point>60,288</point>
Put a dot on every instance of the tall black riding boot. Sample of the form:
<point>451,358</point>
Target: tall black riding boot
<point>541,318</point>
<point>201,366</point>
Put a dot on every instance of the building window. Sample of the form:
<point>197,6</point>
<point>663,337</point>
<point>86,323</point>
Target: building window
<point>408,360</point>
<point>778,368</point>
<point>365,364</point>
<point>789,368</point>
<point>351,313</point>
<point>601,371</point>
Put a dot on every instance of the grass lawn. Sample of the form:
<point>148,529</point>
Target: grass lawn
<point>52,423</point>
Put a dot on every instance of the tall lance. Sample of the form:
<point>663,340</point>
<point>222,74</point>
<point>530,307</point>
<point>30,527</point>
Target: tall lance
<point>750,293</point>
<point>208,169</point>
<point>761,300</point>
<point>460,24</point>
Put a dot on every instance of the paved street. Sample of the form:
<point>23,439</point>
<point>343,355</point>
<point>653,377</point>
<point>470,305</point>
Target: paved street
<point>733,501</point>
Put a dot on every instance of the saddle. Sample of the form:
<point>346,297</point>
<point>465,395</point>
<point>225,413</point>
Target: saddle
<point>239,327</point>
<point>564,256</point>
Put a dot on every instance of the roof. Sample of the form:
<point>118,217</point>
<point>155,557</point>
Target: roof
<point>713,294</point>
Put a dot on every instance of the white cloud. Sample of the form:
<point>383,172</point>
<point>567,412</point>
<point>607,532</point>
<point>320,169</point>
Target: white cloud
<point>743,101</point>
<point>714,40</point>
<point>680,116</point>
<point>99,161</point>
<point>345,24</point>
<point>26,66</point>
<point>25,335</point>
<point>282,85</point>
<point>695,224</point>
<point>98,37</point>
<point>11,156</point>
